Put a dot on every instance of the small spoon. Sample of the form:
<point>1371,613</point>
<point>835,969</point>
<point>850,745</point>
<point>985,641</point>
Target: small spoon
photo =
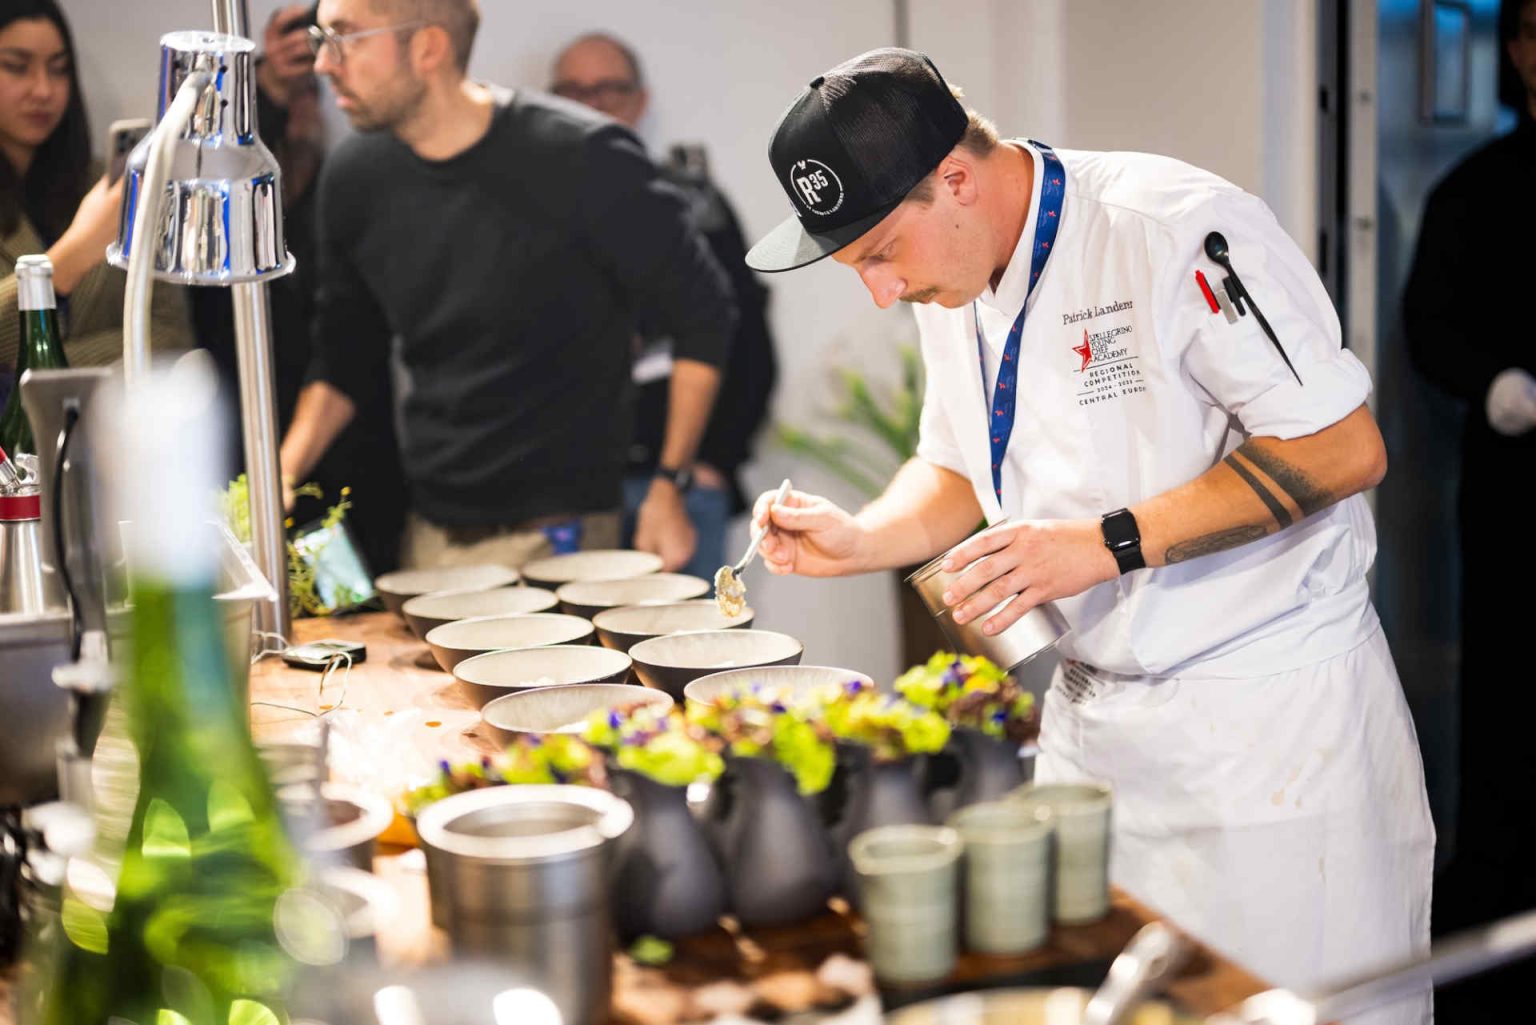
<point>730,592</point>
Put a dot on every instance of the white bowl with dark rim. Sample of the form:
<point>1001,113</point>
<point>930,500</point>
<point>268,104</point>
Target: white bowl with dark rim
<point>598,564</point>
<point>795,682</point>
<point>454,642</point>
<point>397,587</point>
<point>673,661</point>
<point>589,597</point>
<point>426,612</point>
<point>564,709</point>
<point>485,678</point>
<point>623,628</point>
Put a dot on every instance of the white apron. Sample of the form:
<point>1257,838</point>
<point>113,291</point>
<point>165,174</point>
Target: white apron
<point>1269,792</point>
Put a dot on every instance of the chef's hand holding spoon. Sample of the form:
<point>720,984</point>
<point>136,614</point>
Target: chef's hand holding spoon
<point>811,536</point>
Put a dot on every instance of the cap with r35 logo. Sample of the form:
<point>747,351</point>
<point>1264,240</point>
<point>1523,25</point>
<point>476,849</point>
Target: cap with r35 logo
<point>850,148</point>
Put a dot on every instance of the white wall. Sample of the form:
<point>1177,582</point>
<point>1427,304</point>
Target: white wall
<point>1221,84</point>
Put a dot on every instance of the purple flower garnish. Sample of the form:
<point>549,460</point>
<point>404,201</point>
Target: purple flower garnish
<point>444,767</point>
<point>614,720</point>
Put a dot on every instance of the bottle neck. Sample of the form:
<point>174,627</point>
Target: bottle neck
<point>41,348</point>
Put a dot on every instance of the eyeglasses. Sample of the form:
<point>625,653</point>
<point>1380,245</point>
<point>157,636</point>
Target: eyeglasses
<point>335,42</point>
<point>608,90</point>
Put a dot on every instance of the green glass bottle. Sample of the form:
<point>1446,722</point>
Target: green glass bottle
<point>192,933</point>
<point>39,346</point>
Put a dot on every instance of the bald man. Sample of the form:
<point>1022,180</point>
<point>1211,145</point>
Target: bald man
<point>604,73</point>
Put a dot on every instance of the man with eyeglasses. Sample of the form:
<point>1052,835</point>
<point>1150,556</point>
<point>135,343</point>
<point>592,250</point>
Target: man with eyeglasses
<point>604,73</point>
<point>508,243</point>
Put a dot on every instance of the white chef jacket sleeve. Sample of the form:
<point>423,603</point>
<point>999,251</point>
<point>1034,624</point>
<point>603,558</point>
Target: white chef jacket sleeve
<point>1237,365</point>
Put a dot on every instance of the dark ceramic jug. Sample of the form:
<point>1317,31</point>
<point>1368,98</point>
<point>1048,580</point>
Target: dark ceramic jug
<point>986,769</point>
<point>668,882</point>
<point>878,794</point>
<point>778,863</point>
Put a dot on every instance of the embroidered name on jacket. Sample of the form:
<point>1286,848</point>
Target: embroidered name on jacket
<point>1094,312</point>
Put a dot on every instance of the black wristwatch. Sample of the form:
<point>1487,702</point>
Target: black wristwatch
<point>681,478</point>
<point>1123,539</point>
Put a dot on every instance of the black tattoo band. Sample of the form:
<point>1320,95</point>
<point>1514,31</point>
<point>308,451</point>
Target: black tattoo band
<point>1304,491</point>
<point>1281,514</point>
<point>1210,544</point>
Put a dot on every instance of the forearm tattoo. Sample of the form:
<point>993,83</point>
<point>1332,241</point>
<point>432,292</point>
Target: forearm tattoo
<point>1308,494</point>
<point>1276,508</point>
<point>1210,544</point>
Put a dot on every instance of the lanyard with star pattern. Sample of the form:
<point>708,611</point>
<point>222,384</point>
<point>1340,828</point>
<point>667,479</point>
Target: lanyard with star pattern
<point>1001,401</point>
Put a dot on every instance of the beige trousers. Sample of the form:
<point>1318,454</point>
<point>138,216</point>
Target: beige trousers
<point>427,545</point>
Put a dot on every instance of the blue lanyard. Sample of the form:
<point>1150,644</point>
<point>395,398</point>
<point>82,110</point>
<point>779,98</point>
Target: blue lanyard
<point>1001,399</point>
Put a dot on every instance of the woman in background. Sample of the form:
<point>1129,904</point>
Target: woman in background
<point>53,199</point>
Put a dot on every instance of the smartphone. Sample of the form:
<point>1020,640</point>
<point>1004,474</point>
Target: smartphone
<point>121,138</point>
<point>319,654</point>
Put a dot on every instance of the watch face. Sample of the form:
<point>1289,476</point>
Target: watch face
<point>1120,530</point>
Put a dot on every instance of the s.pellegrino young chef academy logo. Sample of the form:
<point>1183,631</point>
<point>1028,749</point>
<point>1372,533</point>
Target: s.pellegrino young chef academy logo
<point>816,186</point>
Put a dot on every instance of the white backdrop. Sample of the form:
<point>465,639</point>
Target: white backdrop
<point>1225,85</point>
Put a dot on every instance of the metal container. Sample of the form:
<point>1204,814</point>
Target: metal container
<point>37,711</point>
<point>521,874</point>
<point>28,584</point>
<point>343,828</point>
<point>1037,631</point>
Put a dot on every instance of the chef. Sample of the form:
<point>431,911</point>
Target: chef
<point>1137,379</point>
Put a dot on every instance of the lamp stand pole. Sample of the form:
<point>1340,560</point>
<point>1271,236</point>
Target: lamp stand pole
<point>258,408</point>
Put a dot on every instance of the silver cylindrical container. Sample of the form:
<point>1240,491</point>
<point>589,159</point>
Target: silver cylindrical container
<point>221,220</point>
<point>521,874</point>
<point>1037,631</point>
<point>27,585</point>
<point>342,828</point>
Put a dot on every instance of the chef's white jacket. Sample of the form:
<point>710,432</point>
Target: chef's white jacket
<point>1129,385</point>
<point>1243,705</point>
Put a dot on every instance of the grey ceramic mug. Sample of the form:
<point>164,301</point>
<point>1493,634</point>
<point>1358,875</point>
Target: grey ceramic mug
<point>1007,877</point>
<point>908,883</point>
<point>1081,815</point>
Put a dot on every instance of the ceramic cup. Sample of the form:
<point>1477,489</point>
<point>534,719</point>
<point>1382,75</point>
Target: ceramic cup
<point>1080,813</point>
<point>1007,876</point>
<point>908,880</point>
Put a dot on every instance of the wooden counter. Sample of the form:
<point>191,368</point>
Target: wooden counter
<point>399,693</point>
<point>395,680</point>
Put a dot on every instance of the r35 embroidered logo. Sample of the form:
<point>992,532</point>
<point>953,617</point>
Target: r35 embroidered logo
<point>816,186</point>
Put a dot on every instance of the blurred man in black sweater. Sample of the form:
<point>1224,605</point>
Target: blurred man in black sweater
<point>605,74</point>
<point>508,243</point>
<point>1470,331</point>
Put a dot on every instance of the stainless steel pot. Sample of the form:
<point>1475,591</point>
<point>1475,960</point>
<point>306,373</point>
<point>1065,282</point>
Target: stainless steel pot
<point>342,828</point>
<point>521,874</point>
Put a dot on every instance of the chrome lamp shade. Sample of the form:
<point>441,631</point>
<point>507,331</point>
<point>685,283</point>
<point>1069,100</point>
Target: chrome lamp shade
<point>221,218</point>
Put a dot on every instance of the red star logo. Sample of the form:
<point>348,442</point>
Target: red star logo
<point>1084,351</point>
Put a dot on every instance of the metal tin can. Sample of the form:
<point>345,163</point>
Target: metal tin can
<point>1037,631</point>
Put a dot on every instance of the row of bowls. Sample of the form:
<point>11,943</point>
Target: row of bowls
<point>564,709</point>
<point>498,635</point>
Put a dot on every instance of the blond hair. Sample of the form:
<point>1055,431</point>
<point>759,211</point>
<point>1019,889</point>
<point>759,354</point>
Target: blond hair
<point>980,139</point>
